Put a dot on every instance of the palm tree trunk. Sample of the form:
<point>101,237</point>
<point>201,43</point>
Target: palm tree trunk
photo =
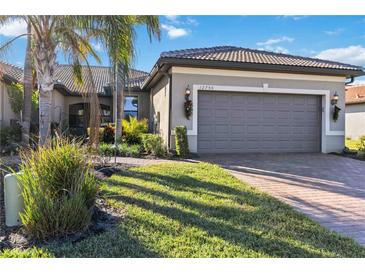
<point>119,87</point>
<point>94,122</point>
<point>28,89</point>
<point>45,58</point>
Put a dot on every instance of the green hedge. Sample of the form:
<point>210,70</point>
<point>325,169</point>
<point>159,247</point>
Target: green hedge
<point>181,141</point>
<point>122,150</point>
<point>153,144</point>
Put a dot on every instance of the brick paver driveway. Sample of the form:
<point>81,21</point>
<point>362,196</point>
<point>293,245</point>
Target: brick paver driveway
<point>329,189</point>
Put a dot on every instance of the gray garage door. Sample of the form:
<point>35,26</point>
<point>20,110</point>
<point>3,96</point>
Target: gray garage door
<point>230,122</point>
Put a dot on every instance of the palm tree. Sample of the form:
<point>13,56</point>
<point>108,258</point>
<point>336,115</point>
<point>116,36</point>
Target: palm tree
<point>28,89</point>
<point>73,35</point>
<point>48,34</point>
<point>117,34</point>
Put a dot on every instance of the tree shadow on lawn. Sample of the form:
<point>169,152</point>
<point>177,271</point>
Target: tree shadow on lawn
<point>187,183</point>
<point>117,243</point>
<point>268,218</point>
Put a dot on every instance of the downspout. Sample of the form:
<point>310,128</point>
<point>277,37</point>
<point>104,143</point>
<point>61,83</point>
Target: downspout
<point>169,78</point>
<point>170,110</point>
<point>2,90</point>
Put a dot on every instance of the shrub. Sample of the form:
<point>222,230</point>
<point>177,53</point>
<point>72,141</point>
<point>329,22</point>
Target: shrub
<point>133,129</point>
<point>123,150</point>
<point>153,144</point>
<point>361,147</point>
<point>11,134</point>
<point>58,189</point>
<point>101,133</point>
<point>16,95</point>
<point>181,141</point>
<point>126,150</point>
<point>106,149</point>
<point>108,134</point>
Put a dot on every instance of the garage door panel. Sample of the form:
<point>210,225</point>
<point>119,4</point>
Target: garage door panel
<point>221,129</point>
<point>298,101</point>
<point>237,100</point>
<point>237,129</point>
<point>269,100</point>
<point>230,122</point>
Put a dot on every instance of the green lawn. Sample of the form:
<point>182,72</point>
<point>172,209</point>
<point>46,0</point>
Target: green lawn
<point>199,210</point>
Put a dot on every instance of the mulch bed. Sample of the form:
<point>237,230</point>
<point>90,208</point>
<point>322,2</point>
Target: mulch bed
<point>349,154</point>
<point>105,218</point>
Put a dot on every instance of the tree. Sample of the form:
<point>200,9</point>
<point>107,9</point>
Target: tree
<point>48,33</point>
<point>117,34</point>
<point>73,35</point>
<point>27,88</point>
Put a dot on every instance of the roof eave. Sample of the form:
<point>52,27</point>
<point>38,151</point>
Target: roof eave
<point>156,69</point>
<point>10,79</point>
<point>261,67</point>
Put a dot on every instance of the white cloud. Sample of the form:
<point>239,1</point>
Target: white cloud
<point>354,55</point>
<point>14,28</point>
<point>97,46</point>
<point>296,17</point>
<point>358,83</point>
<point>274,41</point>
<point>334,32</point>
<point>174,32</point>
<point>192,21</point>
<point>276,49</point>
<point>172,18</point>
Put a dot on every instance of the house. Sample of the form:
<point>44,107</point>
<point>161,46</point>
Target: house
<point>70,109</point>
<point>355,111</point>
<point>243,100</point>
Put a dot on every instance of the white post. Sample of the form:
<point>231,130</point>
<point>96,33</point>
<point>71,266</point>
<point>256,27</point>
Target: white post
<point>13,200</point>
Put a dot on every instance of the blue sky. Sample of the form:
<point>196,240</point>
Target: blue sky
<point>340,38</point>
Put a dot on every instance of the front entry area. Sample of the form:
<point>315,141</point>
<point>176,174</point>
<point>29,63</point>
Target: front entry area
<point>235,122</point>
<point>79,117</point>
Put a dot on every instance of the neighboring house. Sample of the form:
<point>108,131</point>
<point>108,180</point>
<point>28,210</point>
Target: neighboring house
<point>8,74</point>
<point>69,108</point>
<point>243,100</point>
<point>355,111</point>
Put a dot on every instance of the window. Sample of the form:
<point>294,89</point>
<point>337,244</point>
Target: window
<point>105,115</point>
<point>130,107</point>
<point>76,115</point>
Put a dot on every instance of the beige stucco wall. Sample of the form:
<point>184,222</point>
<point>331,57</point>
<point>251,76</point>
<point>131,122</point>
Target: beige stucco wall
<point>180,81</point>
<point>160,103</point>
<point>6,113</point>
<point>355,120</point>
<point>58,107</point>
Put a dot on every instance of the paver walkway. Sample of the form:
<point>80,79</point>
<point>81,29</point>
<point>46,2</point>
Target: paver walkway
<point>329,189</point>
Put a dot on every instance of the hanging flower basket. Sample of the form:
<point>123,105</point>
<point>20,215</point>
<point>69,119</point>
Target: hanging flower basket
<point>336,112</point>
<point>188,108</point>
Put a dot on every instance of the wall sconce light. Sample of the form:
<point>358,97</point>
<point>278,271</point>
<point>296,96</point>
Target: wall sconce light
<point>187,92</point>
<point>334,99</point>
